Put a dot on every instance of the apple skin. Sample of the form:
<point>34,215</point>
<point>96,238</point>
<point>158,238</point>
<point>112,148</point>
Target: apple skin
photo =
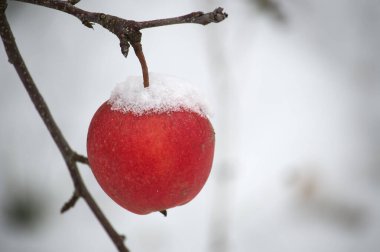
<point>150,162</point>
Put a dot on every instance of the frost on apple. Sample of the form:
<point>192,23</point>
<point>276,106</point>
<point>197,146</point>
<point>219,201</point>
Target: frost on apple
<point>151,148</point>
<point>165,93</point>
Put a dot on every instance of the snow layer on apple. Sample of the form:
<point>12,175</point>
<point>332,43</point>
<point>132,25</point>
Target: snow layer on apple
<point>165,94</point>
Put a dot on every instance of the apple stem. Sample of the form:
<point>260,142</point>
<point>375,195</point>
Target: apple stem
<point>140,55</point>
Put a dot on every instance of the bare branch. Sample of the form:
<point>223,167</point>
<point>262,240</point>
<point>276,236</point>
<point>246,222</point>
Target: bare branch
<point>122,28</point>
<point>128,31</point>
<point>194,18</point>
<point>68,154</point>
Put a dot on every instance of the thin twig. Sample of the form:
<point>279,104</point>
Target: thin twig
<point>81,159</point>
<point>71,202</point>
<point>193,18</point>
<point>68,154</point>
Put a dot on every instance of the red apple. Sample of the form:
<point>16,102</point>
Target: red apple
<point>153,161</point>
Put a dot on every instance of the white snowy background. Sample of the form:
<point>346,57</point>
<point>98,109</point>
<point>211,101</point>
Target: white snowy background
<point>296,101</point>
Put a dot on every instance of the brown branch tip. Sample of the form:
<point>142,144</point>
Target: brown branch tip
<point>71,202</point>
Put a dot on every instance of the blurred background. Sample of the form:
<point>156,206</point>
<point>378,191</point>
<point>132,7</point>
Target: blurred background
<point>295,90</point>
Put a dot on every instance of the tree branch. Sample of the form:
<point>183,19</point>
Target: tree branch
<point>122,28</point>
<point>193,18</point>
<point>81,159</point>
<point>128,31</point>
<point>68,154</point>
<point>71,202</point>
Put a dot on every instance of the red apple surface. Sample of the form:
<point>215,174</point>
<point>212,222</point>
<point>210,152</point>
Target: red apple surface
<point>152,161</point>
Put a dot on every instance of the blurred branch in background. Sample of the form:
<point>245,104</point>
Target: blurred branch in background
<point>323,202</point>
<point>225,168</point>
<point>271,7</point>
<point>24,208</point>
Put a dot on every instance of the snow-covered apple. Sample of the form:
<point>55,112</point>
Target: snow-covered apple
<point>151,148</point>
